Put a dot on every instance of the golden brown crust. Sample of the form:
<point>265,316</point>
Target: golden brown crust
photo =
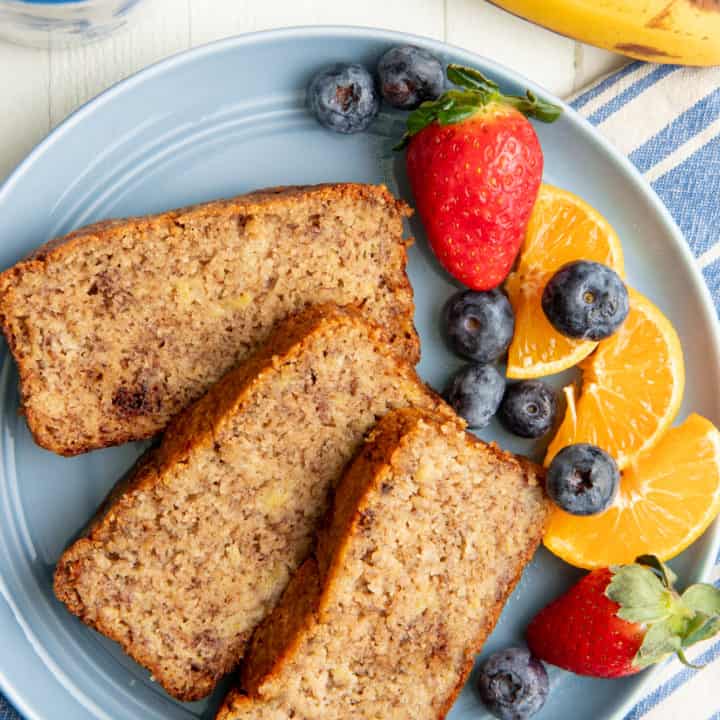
<point>199,423</point>
<point>535,476</point>
<point>278,638</point>
<point>282,630</point>
<point>191,431</point>
<point>363,475</point>
<point>484,632</point>
<point>248,203</point>
<point>187,433</point>
<point>197,426</point>
<point>233,704</point>
<point>110,231</point>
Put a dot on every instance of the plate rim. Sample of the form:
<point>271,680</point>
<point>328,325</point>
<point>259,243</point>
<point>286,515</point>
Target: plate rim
<point>623,164</point>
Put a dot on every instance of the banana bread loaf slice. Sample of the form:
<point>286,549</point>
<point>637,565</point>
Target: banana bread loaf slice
<point>192,551</point>
<point>118,326</point>
<point>430,531</point>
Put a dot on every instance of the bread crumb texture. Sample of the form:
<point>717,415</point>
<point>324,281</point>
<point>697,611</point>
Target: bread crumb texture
<point>194,549</point>
<point>119,326</point>
<point>430,532</point>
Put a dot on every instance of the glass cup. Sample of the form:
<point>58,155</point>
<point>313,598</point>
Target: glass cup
<point>61,23</point>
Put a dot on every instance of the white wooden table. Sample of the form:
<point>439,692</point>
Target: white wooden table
<point>39,88</point>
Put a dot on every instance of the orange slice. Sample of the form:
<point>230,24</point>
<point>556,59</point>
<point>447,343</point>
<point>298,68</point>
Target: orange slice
<point>562,228</point>
<point>667,499</point>
<point>632,387</point>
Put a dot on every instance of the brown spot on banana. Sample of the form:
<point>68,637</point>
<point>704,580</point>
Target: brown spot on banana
<point>644,52</point>
<point>657,22</point>
<point>663,21</point>
<point>710,5</point>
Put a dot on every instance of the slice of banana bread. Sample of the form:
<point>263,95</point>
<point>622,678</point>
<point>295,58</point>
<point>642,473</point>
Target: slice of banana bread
<point>192,551</point>
<point>118,326</point>
<point>431,530</point>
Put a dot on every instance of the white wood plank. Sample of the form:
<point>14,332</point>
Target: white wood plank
<point>156,30</point>
<point>24,120</point>
<point>592,63</point>
<point>221,18</point>
<point>541,55</point>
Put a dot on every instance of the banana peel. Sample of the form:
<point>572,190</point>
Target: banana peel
<point>685,32</point>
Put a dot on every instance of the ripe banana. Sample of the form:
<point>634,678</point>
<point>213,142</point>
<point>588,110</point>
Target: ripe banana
<point>686,32</point>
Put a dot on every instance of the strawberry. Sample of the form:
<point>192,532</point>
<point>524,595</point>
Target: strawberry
<point>616,621</point>
<point>475,165</point>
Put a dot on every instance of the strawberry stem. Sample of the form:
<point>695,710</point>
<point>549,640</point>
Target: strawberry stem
<point>533,106</point>
<point>529,104</point>
<point>683,659</point>
<point>476,91</point>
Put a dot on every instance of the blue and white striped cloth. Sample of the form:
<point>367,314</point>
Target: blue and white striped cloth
<point>666,119</point>
<point>677,147</point>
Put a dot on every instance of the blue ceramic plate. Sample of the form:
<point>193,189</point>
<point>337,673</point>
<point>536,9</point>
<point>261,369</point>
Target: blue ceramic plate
<point>221,120</point>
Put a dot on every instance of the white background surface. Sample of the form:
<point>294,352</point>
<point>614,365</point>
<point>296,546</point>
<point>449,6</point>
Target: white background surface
<point>39,88</point>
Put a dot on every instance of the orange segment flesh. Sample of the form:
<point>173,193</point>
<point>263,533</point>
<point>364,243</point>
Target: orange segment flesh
<point>632,387</point>
<point>667,499</point>
<point>562,228</point>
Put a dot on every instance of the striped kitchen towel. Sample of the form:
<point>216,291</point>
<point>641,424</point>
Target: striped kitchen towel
<point>6,712</point>
<point>666,119</point>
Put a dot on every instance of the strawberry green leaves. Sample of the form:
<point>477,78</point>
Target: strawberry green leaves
<point>452,107</point>
<point>477,92</point>
<point>529,104</point>
<point>532,106</point>
<point>641,595</point>
<point>703,627</point>
<point>703,598</point>
<point>705,601</point>
<point>660,642</point>
<point>646,595</point>
<point>471,79</point>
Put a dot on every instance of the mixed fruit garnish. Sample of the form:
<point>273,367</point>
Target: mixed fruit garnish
<point>546,290</point>
<point>616,621</point>
<point>631,388</point>
<point>665,500</point>
<point>562,229</point>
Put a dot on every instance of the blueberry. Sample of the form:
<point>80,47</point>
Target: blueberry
<point>528,408</point>
<point>475,392</point>
<point>583,479</point>
<point>513,684</point>
<point>344,98</point>
<point>410,75</point>
<point>586,300</point>
<point>479,325</point>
